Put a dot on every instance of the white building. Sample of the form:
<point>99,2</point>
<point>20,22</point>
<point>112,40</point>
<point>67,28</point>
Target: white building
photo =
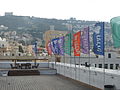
<point>3,46</point>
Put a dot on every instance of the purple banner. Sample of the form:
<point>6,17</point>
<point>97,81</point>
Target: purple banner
<point>85,42</point>
<point>61,45</point>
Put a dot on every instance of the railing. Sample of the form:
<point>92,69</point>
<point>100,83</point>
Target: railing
<point>25,62</point>
<point>98,77</point>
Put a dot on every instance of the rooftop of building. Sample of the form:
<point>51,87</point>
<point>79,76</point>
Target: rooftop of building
<point>42,82</point>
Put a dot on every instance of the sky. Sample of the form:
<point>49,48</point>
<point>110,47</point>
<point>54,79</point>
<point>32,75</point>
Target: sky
<point>97,10</point>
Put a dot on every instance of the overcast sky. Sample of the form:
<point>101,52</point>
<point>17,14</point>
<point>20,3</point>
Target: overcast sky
<point>102,10</point>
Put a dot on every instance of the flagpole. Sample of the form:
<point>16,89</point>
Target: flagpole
<point>64,65</point>
<point>89,53</point>
<point>70,65</point>
<point>51,50</point>
<point>89,67</point>
<point>72,38</point>
<point>75,63</point>
<point>70,54</point>
<point>74,53</point>
<point>61,51</point>
<point>104,69</point>
<point>85,43</point>
<point>99,49</point>
<point>104,52</point>
<point>79,57</point>
<point>71,31</point>
<point>79,67</point>
<point>64,55</point>
<point>58,58</point>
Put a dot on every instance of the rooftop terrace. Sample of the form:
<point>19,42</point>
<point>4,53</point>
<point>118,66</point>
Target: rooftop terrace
<point>42,82</point>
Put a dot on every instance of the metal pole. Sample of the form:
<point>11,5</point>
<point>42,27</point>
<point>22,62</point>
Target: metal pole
<point>71,47</point>
<point>89,53</point>
<point>104,55</point>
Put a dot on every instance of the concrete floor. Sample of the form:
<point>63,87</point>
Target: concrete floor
<point>42,82</point>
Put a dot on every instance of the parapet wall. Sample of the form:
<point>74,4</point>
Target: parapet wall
<point>96,77</point>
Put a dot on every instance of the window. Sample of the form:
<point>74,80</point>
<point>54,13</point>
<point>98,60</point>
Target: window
<point>106,66</point>
<point>100,65</point>
<point>116,66</point>
<point>109,55</point>
<point>111,66</point>
<point>12,54</point>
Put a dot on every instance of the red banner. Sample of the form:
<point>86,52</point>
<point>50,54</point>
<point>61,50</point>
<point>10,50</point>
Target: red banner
<point>76,43</point>
<point>48,47</point>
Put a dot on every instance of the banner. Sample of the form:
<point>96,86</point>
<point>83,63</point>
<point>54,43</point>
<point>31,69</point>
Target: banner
<point>61,45</point>
<point>85,42</point>
<point>98,39</point>
<point>67,44</point>
<point>48,47</point>
<point>115,25</point>
<point>76,43</point>
<point>54,46</point>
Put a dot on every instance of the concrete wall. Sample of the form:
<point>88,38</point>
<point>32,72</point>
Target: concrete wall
<point>90,60</point>
<point>6,65</point>
<point>97,77</point>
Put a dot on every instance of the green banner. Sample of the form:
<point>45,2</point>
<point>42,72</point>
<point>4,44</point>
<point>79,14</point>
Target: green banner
<point>115,25</point>
<point>67,44</point>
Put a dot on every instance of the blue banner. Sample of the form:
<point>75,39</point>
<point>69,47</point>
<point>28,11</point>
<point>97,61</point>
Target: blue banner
<point>98,39</point>
<point>55,46</point>
<point>61,45</point>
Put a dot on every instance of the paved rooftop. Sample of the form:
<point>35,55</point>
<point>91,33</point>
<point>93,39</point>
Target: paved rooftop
<point>42,82</point>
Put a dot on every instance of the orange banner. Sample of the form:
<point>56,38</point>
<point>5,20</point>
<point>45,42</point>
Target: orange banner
<point>76,43</point>
<point>48,47</point>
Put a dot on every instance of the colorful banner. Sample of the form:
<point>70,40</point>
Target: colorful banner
<point>61,45</point>
<point>115,25</point>
<point>54,45</point>
<point>67,44</point>
<point>48,47</point>
<point>85,42</point>
<point>98,39</point>
<point>76,43</point>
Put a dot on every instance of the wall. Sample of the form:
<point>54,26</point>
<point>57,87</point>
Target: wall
<point>92,76</point>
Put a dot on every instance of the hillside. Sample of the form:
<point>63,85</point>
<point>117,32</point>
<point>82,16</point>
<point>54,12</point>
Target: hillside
<point>35,27</point>
<point>32,25</point>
